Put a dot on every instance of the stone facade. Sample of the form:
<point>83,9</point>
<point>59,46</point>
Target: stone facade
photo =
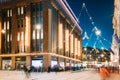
<point>36,30</point>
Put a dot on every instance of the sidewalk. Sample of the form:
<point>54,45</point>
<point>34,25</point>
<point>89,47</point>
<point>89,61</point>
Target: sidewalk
<point>78,75</point>
<point>113,76</point>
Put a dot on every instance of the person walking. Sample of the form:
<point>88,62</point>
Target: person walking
<point>49,69</point>
<point>104,73</point>
<point>26,71</point>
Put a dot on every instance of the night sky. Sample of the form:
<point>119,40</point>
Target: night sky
<point>101,12</point>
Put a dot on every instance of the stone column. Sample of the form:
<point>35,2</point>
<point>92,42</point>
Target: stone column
<point>28,60</point>
<point>0,33</point>
<point>13,62</point>
<point>45,30</point>
<point>14,31</point>
<point>65,62</point>
<point>80,57</point>
<point>28,30</point>
<point>46,61</point>
<point>0,63</point>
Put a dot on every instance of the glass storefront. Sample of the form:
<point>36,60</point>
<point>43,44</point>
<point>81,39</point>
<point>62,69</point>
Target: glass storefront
<point>37,62</point>
<point>20,62</point>
<point>53,62</point>
<point>6,64</point>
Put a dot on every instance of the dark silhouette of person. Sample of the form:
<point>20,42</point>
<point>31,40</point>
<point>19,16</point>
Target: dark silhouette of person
<point>49,69</point>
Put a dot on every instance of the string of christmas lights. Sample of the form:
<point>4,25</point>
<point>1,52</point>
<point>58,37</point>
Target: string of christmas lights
<point>94,30</point>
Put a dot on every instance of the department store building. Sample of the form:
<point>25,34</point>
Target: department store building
<point>39,33</point>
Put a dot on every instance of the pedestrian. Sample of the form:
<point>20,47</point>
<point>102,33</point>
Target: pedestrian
<point>49,69</point>
<point>104,73</point>
<point>26,71</point>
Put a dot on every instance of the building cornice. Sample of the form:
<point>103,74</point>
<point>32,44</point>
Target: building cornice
<point>66,8</point>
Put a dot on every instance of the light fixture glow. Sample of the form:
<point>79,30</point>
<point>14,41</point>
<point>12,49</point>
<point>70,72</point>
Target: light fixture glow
<point>98,32</point>
<point>38,27</point>
<point>85,49</point>
<point>3,31</point>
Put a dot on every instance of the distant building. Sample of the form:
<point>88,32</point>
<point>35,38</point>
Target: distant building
<point>38,33</point>
<point>115,57</point>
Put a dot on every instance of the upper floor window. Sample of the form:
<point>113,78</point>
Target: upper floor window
<point>33,34</point>
<point>11,37</point>
<point>20,10</point>
<point>18,36</point>
<point>9,12</point>
<point>4,25</point>
<point>7,37</point>
<point>38,34</point>
<point>42,34</point>
<point>20,23</point>
<point>22,36</point>
<point>8,25</point>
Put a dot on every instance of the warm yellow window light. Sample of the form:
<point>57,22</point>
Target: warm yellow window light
<point>60,36</point>
<point>5,25</point>
<point>71,43</point>
<point>26,32</point>
<point>18,36</point>
<point>76,46</point>
<point>66,40</point>
<point>8,25</point>
<point>22,36</point>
